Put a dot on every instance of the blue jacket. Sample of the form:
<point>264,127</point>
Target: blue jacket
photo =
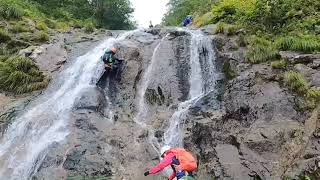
<point>187,21</point>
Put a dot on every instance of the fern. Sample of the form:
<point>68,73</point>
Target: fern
<point>304,44</point>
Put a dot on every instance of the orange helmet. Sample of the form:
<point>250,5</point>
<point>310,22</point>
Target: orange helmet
<point>114,50</point>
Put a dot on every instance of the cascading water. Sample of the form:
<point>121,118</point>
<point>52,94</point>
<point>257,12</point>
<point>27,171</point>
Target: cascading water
<point>147,76</point>
<point>26,141</point>
<point>202,80</point>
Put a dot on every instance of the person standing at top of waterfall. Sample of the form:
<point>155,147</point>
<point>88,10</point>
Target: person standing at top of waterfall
<point>181,161</point>
<point>187,21</point>
<point>150,25</point>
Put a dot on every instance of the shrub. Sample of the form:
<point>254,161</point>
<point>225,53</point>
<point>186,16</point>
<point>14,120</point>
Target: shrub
<point>203,20</point>
<point>42,26</point>
<point>305,44</point>
<point>280,64</point>
<point>4,36</point>
<point>20,75</point>
<point>230,11</point>
<point>296,82</point>
<point>220,28</point>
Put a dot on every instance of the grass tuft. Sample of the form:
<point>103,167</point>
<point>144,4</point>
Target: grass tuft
<point>296,82</point>
<point>4,35</point>
<point>305,44</point>
<point>280,64</point>
<point>261,50</point>
<point>41,37</point>
<point>20,75</point>
<point>220,28</point>
<point>42,26</point>
<point>9,11</point>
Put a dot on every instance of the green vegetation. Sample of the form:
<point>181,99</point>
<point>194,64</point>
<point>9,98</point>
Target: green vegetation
<point>279,64</point>
<point>29,22</point>
<point>296,82</point>
<point>20,75</point>
<point>4,35</point>
<point>261,49</point>
<point>220,28</point>
<point>42,26</point>
<point>307,44</point>
<point>228,71</point>
<point>285,24</point>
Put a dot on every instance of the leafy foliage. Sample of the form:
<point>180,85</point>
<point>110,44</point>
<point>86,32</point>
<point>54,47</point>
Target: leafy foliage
<point>20,75</point>
<point>178,9</point>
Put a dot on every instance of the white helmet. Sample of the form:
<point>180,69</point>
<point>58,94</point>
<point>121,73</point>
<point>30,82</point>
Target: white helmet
<point>164,149</point>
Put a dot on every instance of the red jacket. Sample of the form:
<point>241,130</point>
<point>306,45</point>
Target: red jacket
<point>167,161</point>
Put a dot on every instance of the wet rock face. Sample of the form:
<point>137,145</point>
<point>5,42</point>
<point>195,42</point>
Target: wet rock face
<point>248,135</point>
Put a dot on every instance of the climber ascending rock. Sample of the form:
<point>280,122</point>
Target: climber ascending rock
<point>182,162</point>
<point>112,63</point>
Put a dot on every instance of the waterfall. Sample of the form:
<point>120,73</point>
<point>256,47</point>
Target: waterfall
<point>147,77</point>
<point>24,145</point>
<point>202,80</point>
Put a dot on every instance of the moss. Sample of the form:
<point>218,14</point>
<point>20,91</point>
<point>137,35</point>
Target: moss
<point>280,64</point>
<point>228,71</point>
<point>296,82</point>
<point>4,35</point>
<point>20,75</point>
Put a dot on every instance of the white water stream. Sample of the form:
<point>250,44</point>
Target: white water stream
<point>202,80</point>
<point>24,144</point>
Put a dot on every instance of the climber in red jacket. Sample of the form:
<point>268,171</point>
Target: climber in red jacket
<point>182,162</point>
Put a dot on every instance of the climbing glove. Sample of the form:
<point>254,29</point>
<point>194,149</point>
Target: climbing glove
<point>146,173</point>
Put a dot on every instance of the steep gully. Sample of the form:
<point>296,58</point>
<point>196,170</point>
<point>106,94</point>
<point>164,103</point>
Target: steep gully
<point>27,143</point>
<point>91,124</point>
